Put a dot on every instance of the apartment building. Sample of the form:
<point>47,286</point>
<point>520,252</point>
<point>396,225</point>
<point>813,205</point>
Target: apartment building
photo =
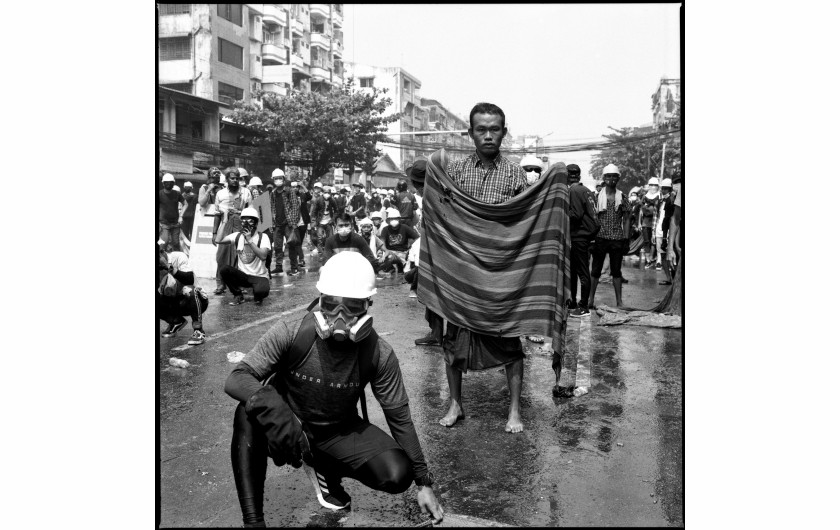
<point>404,92</point>
<point>226,52</point>
<point>665,100</point>
<point>442,119</point>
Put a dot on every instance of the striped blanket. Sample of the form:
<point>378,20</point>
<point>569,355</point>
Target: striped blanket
<point>497,269</point>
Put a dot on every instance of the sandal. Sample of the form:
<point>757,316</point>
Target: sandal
<point>535,338</point>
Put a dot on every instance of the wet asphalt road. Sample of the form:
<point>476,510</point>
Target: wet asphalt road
<point>612,457</point>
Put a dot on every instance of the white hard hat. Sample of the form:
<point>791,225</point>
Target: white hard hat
<point>176,188</point>
<point>653,181</point>
<point>530,160</point>
<point>294,183</point>
<point>168,178</point>
<point>188,184</point>
<point>277,173</point>
<point>250,212</point>
<point>347,274</point>
<point>377,215</point>
<point>255,181</point>
<point>392,212</point>
<point>666,183</point>
<point>318,185</point>
<point>610,168</point>
<point>242,172</point>
<point>365,221</point>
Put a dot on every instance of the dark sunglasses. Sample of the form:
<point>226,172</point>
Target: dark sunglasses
<point>353,306</point>
<point>537,169</point>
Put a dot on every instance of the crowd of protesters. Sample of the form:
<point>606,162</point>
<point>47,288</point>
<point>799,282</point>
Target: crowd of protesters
<point>383,231</point>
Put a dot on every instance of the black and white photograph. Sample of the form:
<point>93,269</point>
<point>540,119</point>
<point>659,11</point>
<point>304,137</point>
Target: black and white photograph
<point>420,265</point>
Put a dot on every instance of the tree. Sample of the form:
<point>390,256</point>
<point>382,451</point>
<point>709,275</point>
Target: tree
<point>337,128</point>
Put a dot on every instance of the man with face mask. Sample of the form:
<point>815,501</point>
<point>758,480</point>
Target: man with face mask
<point>169,218</point>
<point>250,250</point>
<point>255,186</point>
<point>398,238</point>
<point>322,212</point>
<point>367,231</point>
<point>647,219</point>
<point>376,219</point>
<point>304,196</point>
<point>345,240</point>
<point>229,202</point>
<point>285,211</point>
<point>304,413</point>
<point>533,168</point>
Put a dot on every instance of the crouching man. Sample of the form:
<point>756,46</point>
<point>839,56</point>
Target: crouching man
<point>177,296</point>
<point>252,252</point>
<point>298,389</point>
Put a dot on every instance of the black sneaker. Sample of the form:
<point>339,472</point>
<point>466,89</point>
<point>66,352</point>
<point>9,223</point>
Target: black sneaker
<point>219,290</point>
<point>428,340</point>
<point>294,272</point>
<point>302,263</point>
<point>277,270</point>
<point>174,328</point>
<point>580,311</point>
<point>328,489</point>
<point>238,299</point>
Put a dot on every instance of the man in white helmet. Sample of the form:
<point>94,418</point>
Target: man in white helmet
<point>188,213</point>
<point>533,168</point>
<point>647,220</point>
<point>251,250</point>
<point>255,186</point>
<point>230,202</point>
<point>398,238</point>
<point>614,212</point>
<point>297,391</point>
<point>169,217</point>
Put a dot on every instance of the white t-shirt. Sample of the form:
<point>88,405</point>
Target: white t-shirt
<point>179,262</point>
<point>248,261</point>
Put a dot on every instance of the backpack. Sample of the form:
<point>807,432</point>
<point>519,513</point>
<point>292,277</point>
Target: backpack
<point>301,346</point>
<point>259,242</point>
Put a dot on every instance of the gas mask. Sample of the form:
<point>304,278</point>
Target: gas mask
<point>249,224</point>
<point>343,318</point>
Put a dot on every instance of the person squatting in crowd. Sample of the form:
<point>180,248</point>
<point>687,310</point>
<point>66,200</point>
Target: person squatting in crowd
<point>230,202</point>
<point>251,252</point>
<point>177,296</point>
<point>297,391</point>
<point>345,240</point>
<point>398,238</point>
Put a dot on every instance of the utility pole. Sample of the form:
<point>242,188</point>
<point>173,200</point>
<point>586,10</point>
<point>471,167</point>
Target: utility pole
<point>662,167</point>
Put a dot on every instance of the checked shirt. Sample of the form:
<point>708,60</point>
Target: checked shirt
<point>498,184</point>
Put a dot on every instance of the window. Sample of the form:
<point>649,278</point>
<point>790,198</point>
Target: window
<point>174,9</point>
<point>175,48</point>
<point>366,82</point>
<point>232,12</point>
<point>229,93</point>
<point>406,85</point>
<point>230,53</point>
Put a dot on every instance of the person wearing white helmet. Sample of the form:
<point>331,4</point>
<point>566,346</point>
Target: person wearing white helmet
<point>649,208</point>
<point>613,210</point>
<point>369,233</point>
<point>376,219</point>
<point>229,202</point>
<point>322,211</point>
<point>207,192</point>
<point>188,213</point>
<point>533,168</point>
<point>250,254</point>
<point>398,238</point>
<point>663,220</point>
<point>304,196</point>
<point>255,186</point>
<point>169,216</point>
<point>315,371</point>
<point>285,212</point>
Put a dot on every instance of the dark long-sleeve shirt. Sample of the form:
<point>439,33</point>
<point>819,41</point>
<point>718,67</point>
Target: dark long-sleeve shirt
<point>354,243</point>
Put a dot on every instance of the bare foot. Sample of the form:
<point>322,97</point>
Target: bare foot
<point>454,414</point>
<point>514,423</point>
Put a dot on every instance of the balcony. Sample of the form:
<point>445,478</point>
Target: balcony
<point>171,25</point>
<point>273,52</point>
<point>277,74</point>
<point>272,14</point>
<point>281,89</point>
<point>319,10</point>
<point>319,72</point>
<point>297,26</point>
<point>320,39</point>
<point>180,71</point>
<point>299,63</point>
<point>337,17</point>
